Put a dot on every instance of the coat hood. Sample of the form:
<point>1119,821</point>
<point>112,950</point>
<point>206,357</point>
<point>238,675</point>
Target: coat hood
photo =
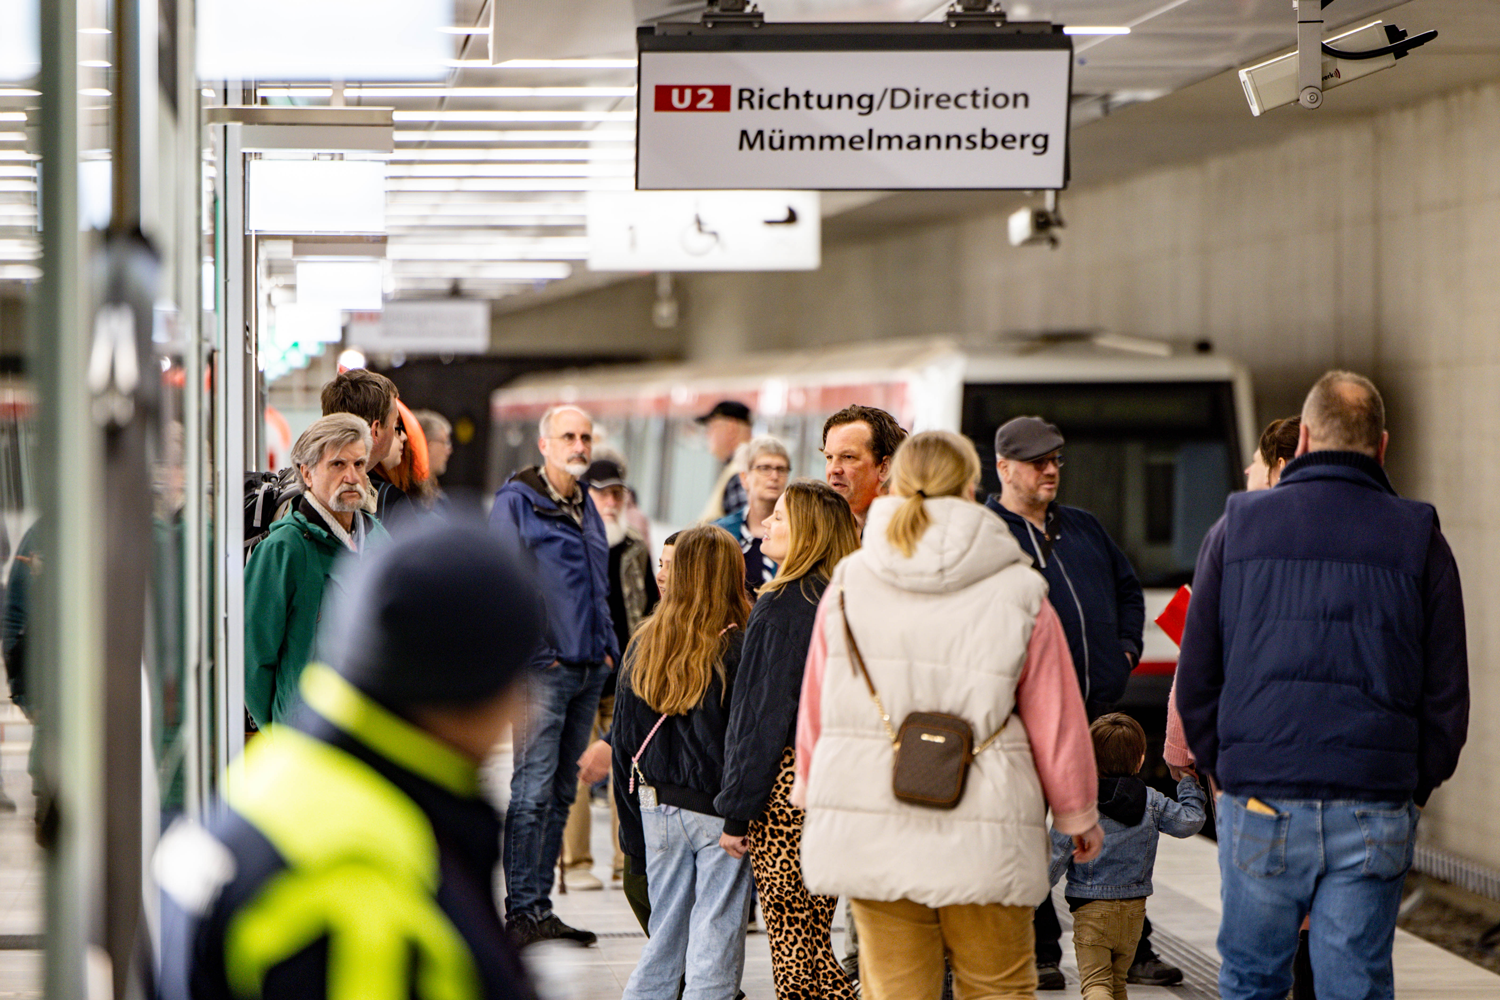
<point>1123,799</point>
<point>963,544</point>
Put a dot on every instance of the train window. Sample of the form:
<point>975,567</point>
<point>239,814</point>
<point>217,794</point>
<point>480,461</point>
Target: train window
<point>1153,461</point>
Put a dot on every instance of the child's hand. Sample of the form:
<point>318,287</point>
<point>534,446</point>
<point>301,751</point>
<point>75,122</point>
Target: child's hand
<point>1087,845</point>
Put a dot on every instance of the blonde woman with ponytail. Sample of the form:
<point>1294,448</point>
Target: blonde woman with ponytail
<point>949,617</point>
<point>671,711</point>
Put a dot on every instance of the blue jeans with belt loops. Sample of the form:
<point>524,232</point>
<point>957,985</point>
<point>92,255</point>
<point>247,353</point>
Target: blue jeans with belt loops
<point>700,900</point>
<point>551,736</point>
<point>1342,863</point>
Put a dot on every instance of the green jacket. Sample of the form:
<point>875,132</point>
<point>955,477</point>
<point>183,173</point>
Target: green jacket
<point>285,580</point>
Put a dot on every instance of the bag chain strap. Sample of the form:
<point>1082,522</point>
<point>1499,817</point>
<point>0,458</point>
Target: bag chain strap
<point>885,718</point>
<point>635,770</point>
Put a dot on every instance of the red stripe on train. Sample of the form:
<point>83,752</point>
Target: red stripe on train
<point>1157,668</point>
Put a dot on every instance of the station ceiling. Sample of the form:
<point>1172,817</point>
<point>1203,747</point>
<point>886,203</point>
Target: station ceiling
<point>494,163</point>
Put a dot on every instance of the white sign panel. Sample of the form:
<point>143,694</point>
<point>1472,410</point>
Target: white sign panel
<point>704,231</point>
<point>324,39</point>
<point>317,196</point>
<point>417,326</point>
<point>971,118</point>
<point>20,44</point>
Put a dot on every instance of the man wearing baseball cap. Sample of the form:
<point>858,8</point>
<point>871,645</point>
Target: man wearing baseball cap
<point>1099,600</point>
<point>355,853</point>
<point>727,426</point>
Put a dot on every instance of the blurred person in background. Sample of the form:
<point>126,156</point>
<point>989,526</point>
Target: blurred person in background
<point>288,573</point>
<point>632,596</point>
<point>727,427</point>
<point>439,434</point>
<point>949,617</point>
<point>546,512</point>
<point>15,643</point>
<point>1101,606</point>
<point>810,531</point>
<point>355,853</point>
<point>765,479</point>
<point>858,443</point>
<point>671,712</point>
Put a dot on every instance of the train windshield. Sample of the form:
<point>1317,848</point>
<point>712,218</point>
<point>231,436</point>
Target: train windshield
<point>1153,461</point>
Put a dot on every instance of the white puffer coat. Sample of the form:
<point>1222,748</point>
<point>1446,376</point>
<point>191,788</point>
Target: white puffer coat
<point>944,631</point>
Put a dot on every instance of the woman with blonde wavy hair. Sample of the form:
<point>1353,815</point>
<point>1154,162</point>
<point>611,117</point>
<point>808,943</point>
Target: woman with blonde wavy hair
<point>671,711</point>
<point>947,616</point>
<point>809,533</point>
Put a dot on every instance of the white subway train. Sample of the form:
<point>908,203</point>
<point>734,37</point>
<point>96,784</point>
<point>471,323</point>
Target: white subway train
<point>1156,439</point>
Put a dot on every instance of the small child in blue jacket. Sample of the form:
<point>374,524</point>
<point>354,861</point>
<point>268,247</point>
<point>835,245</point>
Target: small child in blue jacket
<point>1107,896</point>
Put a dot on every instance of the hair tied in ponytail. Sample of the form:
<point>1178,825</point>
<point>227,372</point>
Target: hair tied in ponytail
<point>921,494</point>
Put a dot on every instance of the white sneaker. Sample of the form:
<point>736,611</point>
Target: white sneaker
<point>581,880</point>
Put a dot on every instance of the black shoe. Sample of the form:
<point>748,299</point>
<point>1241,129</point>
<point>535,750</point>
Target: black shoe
<point>1153,972</point>
<point>529,930</point>
<point>1049,977</point>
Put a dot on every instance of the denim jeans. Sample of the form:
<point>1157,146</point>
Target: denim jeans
<point>551,735</point>
<point>700,900</point>
<point>1343,863</point>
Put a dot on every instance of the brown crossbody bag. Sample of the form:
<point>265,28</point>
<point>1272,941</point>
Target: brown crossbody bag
<point>933,749</point>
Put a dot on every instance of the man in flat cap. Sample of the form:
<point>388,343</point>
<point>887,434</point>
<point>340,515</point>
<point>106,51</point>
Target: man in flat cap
<point>355,853</point>
<point>727,427</point>
<point>1099,600</point>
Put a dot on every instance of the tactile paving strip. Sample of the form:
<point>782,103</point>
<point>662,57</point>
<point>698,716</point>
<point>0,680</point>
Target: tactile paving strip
<point>1200,972</point>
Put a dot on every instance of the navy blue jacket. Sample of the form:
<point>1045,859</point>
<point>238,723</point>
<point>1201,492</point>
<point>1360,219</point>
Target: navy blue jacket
<point>1324,653</point>
<point>1095,591</point>
<point>571,565</point>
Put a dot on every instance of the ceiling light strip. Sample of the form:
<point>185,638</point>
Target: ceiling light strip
<point>619,169</point>
<point>488,184</point>
<point>513,116</point>
<point>610,154</point>
<point>508,135</point>
<point>500,93</point>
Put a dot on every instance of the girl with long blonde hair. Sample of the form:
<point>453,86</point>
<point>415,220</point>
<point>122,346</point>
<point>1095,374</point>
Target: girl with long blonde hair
<point>808,534</point>
<point>671,712</point>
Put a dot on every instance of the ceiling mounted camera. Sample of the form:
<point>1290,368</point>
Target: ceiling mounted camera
<point>1320,64</point>
<point>1033,226</point>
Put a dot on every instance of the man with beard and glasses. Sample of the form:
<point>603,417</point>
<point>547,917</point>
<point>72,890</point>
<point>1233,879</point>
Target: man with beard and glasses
<point>1102,609</point>
<point>288,573</point>
<point>547,514</point>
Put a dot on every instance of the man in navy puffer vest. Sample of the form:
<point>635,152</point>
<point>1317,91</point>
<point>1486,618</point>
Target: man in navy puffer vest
<point>1323,683</point>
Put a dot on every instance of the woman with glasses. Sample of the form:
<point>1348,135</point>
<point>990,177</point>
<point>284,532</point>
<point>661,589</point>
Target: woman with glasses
<point>765,479</point>
<point>809,532</point>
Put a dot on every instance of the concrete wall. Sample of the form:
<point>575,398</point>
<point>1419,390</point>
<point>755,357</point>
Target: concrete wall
<point>1387,263</point>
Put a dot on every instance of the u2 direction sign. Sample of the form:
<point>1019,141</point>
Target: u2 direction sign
<point>853,107</point>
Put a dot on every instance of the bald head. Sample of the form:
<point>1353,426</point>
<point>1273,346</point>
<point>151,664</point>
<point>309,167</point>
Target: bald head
<point>1344,412</point>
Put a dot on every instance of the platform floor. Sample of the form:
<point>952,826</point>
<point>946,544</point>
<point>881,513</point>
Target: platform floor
<point>1184,910</point>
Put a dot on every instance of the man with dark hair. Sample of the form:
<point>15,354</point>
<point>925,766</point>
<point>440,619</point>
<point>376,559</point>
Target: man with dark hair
<point>371,397</point>
<point>1323,683</point>
<point>1103,612</point>
<point>858,442</point>
<point>355,853</point>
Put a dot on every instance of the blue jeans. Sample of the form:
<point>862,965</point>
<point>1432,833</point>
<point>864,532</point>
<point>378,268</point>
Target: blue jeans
<point>1341,862</point>
<point>552,734</point>
<point>700,900</point>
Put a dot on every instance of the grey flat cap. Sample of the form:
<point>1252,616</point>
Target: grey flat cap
<point>1026,438</point>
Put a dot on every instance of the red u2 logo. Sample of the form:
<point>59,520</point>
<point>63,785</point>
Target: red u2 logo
<point>680,97</point>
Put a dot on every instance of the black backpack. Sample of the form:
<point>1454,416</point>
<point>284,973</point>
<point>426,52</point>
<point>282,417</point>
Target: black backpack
<point>265,493</point>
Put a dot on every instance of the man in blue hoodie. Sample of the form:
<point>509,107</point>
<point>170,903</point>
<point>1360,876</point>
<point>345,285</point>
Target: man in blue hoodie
<point>546,513</point>
<point>1324,684</point>
<point>1103,612</point>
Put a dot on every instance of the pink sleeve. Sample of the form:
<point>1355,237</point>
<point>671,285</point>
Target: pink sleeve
<point>1175,749</point>
<point>809,721</point>
<point>1051,706</point>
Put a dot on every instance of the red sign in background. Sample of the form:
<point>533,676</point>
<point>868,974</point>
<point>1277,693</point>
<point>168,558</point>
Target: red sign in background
<point>682,97</point>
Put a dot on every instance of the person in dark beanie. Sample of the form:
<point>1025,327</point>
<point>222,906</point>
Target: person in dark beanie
<point>355,854</point>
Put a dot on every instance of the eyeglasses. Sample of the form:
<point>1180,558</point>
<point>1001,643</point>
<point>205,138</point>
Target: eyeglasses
<point>1040,464</point>
<point>771,470</point>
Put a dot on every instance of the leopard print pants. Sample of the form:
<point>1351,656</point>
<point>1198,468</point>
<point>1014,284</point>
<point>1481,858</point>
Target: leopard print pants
<point>797,923</point>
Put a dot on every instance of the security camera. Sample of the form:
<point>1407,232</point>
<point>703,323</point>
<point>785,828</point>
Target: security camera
<point>1033,226</point>
<point>1359,52</point>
